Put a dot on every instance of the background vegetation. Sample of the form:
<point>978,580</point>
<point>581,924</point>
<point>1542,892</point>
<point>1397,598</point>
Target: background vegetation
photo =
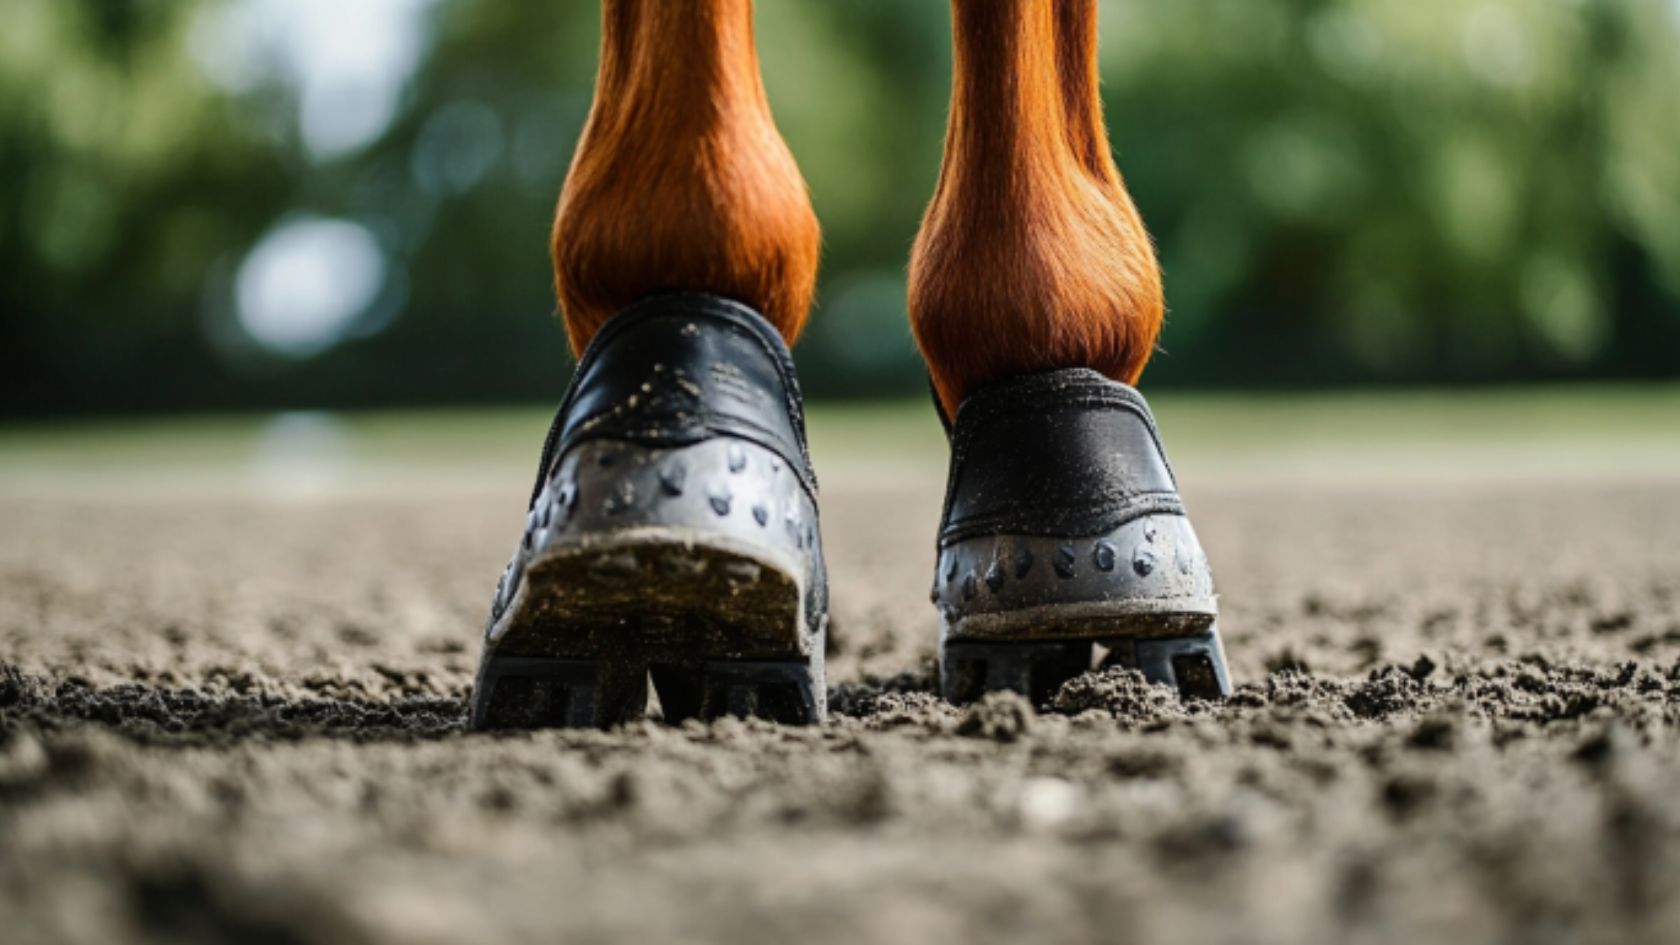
<point>217,204</point>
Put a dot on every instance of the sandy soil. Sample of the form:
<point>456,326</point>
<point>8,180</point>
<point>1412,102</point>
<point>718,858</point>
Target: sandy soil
<point>241,719</point>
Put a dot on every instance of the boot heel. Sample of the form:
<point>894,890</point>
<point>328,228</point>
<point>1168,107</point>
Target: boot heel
<point>1036,670</point>
<point>788,691</point>
<point>514,692</point>
<point>1194,664</point>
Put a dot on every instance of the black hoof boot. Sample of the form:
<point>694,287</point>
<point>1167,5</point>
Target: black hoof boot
<point>1064,540</point>
<point>672,531</point>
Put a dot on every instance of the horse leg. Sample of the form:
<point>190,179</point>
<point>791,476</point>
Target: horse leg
<point>1031,255</point>
<point>681,181</point>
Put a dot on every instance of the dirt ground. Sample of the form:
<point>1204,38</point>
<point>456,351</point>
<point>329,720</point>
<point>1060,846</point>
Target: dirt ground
<point>229,717</point>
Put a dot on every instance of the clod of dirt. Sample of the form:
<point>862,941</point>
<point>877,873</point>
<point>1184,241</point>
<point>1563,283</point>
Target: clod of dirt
<point>896,709</point>
<point>909,690</point>
<point>1144,763</point>
<point>880,708</point>
<point>1120,692</point>
<point>16,689</point>
<point>1403,794</point>
<point>1436,733</point>
<point>1000,716</point>
<point>1385,692</point>
<point>1600,749</point>
<point>1289,688</point>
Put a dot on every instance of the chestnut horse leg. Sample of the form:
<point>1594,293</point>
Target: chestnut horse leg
<point>1031,255</point>
<point>681,181</point>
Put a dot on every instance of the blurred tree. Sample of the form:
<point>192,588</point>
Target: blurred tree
<point>125,178</point>
<point>234,203</point>
<point>1406,189</point>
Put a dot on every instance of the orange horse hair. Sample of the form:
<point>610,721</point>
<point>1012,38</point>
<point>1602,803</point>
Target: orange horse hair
<point>1031,255</point>
<point>681,181</point>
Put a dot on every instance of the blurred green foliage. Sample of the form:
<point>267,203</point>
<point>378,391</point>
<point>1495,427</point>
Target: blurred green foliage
<point>1342,191</point>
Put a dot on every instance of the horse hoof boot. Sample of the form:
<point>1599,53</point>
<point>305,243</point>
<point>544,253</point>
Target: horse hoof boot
<point>1064,544</point>
<point>672,535</point>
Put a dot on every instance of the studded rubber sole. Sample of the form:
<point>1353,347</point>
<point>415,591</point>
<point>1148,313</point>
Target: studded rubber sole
<point>1028,613</point>
<point>717,625</point>
<point>1194,664</point>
